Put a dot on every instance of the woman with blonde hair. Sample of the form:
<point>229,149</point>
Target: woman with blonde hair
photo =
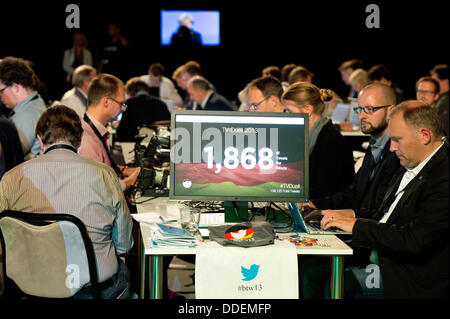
<point>331,167</point>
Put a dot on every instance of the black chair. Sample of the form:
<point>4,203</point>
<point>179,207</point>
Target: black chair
<point>47,255</point>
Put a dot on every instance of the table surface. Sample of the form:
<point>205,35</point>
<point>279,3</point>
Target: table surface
<point>169,210</point>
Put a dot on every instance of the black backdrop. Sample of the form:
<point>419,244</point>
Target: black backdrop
<point>317,34</point>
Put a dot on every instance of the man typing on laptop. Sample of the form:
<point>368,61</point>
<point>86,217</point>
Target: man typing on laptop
<point>408,233</point>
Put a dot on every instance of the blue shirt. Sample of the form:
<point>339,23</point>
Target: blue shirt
<point>26,115</point>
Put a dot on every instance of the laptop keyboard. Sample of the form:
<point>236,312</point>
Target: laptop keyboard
<point>316,227</point>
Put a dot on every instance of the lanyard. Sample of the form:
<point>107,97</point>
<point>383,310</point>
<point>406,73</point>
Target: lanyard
<point>60,146</point>
<point>113,164</point>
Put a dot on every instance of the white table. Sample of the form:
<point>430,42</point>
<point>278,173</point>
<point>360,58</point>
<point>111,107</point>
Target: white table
<point>153,256</point>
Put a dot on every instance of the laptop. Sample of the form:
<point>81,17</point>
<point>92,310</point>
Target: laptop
<point>340,113</point>
<point>354,117</point>
<point>310,228</point>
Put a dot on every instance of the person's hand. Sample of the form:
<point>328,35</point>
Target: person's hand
<point>307,207</point>
<point>348,213</point>
<point>342,219</point>
<point>131,175</point>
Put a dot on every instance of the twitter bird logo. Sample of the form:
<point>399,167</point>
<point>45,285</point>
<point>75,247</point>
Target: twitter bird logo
<point>251,273</point>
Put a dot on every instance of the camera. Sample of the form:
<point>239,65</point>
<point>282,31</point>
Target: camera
<point>154,160</point>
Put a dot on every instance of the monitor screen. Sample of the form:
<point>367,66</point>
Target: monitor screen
<point>239,156</point>
<point>340,113</point>
<point>204,26</point>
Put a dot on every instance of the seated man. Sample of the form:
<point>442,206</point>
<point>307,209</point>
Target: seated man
<point>408,234</point>
<point>142,108</point>
<point>264,95</point>
<point>205,97</point>
<point>76,98</point>
<point>369,185</point>
<point>17,92</point>
<point>105,96</point>
<point>61,181</point>
<point>156,79</point>
<point>10,149</point>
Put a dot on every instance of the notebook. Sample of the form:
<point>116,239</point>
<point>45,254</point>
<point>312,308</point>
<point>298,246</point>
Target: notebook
<point>310,228</point>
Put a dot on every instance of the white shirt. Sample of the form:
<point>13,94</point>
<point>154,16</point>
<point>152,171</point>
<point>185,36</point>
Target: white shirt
<point>407,177</point>
<point>71,100</point>
<point>167,90</point>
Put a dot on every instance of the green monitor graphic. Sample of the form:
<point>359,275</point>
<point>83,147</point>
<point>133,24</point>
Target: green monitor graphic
<point>239,156</point>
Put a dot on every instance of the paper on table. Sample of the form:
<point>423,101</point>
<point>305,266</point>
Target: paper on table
<point>147,217</point>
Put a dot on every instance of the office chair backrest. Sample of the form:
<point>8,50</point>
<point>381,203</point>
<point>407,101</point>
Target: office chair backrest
<point>52,260</point>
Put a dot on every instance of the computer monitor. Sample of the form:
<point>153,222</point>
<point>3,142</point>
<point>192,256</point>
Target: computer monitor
<point>205,25</point>
<point>239,156</point>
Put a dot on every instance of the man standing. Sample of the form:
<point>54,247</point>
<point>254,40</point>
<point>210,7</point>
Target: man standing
<point>61,181</point>
<point>105,96</point>
<point>76,98</point>
<point>408,234</point>
<point>17,89</point>
<point>264,95</point>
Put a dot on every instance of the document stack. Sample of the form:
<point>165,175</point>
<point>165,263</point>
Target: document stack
<point>169,236</point>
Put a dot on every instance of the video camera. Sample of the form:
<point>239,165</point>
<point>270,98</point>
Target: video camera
<point>154,160</point>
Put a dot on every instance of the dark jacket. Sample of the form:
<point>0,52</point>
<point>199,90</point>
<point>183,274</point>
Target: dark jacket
<point>366,192</point>
<point>10,148</point>
<point>331,167</point>
<point>142,109</point>
<point>413,245</point>
<point>217,102</point>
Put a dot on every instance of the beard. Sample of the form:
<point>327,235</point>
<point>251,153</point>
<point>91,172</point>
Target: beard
<point>369,128</point>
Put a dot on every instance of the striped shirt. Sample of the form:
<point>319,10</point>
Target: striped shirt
<point>61,181</point>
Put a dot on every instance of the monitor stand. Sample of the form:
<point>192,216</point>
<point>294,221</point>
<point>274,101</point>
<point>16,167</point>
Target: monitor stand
<point>236,212</point>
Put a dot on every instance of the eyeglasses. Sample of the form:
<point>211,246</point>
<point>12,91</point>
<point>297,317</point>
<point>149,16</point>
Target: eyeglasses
<point>254,106</point>
<point>425,92</point>
<point>1,91</point>
<point>120,103</point>
<point>369,109</point>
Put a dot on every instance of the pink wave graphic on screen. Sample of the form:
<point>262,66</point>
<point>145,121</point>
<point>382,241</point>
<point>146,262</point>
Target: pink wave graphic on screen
<point>201,174</point>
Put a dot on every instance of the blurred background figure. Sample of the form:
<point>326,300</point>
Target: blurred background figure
<point>346,69</point>
<point>76,98</point>
<point>300,74</point>
<point>165,88</point>
<point>114,55</point>
<point>186,36</point>
<point>381,74</point>
<point>76,56</point>
<point>359,79</point>
<point>273,71</point>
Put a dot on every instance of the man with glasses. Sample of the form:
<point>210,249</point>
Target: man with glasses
<point>105,94</point>
<point>408,232</point>
<point>17,93</point>
<point>369,185</point>
<point>427,90</point>
<point>264,95</point>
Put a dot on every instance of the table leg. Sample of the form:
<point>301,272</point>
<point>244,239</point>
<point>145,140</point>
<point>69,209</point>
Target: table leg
<point>337,277</point>
<point>143,263</point>
<point>156,273</point>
